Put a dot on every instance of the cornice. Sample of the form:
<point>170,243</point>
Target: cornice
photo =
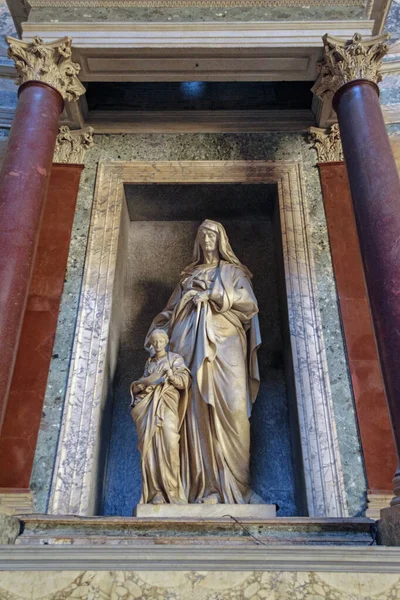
<point>227,34</point>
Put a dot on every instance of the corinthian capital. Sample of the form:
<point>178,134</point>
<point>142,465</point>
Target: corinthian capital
<point>345,61</point>
<point>71,146</point>
<point>327,143</point>
<point>47,62</point>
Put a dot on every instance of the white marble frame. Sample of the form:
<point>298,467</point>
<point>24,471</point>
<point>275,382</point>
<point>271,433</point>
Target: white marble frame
<point>75,475</point>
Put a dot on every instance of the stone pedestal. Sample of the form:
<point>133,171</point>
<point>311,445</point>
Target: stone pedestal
<point>10,528</point>
<point>389,526</point>
<point>205,511</point>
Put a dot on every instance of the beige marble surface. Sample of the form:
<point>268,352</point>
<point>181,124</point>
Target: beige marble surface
<point>205,511</point>
<point>197,585</point>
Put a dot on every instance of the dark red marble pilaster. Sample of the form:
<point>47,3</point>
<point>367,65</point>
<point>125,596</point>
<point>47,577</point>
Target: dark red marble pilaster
<point>24,409</point>
<point>369,395</point>
<point>375,190</point>
<point>23,185</point>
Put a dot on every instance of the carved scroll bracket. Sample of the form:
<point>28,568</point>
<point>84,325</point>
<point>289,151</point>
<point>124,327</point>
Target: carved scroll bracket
<point>327,143</point>
<point>47,62</point>
<point>346,61</point>
<point>71,146</point>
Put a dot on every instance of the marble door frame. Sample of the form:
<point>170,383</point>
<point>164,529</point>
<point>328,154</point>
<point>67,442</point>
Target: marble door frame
<point>75,478</point>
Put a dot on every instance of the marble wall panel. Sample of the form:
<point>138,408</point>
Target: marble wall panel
<point>205,147</point>
<point>199,585</point>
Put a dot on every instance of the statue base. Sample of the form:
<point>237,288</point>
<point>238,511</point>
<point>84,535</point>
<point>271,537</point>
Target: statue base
<point>205,511</point>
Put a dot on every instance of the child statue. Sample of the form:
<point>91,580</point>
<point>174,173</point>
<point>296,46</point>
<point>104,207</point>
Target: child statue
<point>159,402</point>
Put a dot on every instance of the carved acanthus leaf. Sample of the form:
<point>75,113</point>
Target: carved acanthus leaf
<point>71,146</point>
<point>346,61</point>
<point>327,143</point>
<point>47,62</point>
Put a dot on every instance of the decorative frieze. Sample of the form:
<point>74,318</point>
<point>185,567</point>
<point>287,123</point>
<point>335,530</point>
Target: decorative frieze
<point>188,3</point>
<point>346,61</point>
<point>327,143</point>
<point>48,62</point>
<point>71,146</point>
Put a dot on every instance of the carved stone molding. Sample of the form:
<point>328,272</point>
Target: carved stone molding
<point>12,503</point>
<point>48,62</point>
<point>376,503</point>
<point>71,146</point>
<point>187,3</point>
<point>327,143</point>
<point>345,61</point>
<point>279,559</point>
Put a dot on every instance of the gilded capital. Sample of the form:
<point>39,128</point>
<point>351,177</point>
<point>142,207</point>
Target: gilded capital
<point>346,61</point>
<point>327,143</point>
<point>47,62</point>
<point>71,146</point>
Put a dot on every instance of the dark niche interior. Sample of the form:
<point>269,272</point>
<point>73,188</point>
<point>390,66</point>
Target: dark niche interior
<point>198,95</point>
<point>160,232</point>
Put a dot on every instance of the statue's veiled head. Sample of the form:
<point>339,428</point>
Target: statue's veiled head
<point>208,236</point>
<point>212,236</point>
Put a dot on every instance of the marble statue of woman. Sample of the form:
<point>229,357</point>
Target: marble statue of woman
<point>159,401</point>
<point>212,322</point>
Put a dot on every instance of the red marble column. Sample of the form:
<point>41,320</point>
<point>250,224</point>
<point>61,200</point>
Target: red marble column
<point>369,394</point>
<point>375,190</point>
<point>23,185</point>
<point>24,409</point>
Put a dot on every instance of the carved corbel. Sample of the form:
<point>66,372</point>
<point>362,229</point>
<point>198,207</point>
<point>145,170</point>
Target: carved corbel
<point>71,146</point>
<point>47,62</point>
<point>327,143</point>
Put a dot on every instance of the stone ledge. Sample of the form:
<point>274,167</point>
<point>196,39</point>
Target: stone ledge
<point>129,531</point>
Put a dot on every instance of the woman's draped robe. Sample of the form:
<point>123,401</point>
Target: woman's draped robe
<point>158,412</point>
<point>218,340</point>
